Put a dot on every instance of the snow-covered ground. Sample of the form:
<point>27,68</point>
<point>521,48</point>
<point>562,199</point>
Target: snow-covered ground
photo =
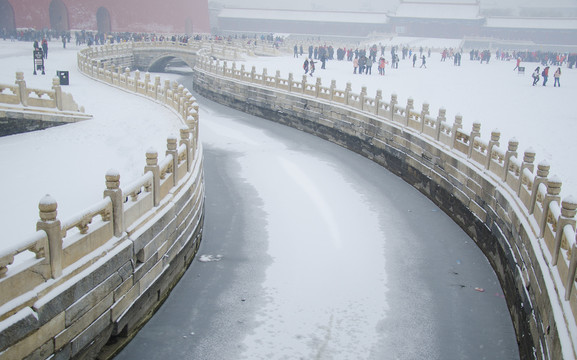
<point>492,94</point>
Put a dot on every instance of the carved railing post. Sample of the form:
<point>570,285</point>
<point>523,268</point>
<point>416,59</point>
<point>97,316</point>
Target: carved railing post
<point>136,80</point>
<point>57,92</point>
<point>495,136</point>
<point>553,191</point>
<point>166,94</point>
<point>348,90</point>
<point>172,149</point>
<point>192,124</point>
<point>511,151</point>
<point>252,74</point>
<point>570,281</point>
<point>394,103</point>
<point>126,77</point>
<point>457,125</point>
<point>51,226</point>
<point>119,73</point>
<point>567,217</point>
<point>528,163</point>
<point>264,75</point>
<point>362,97</point>
<point>304,84</point>
<point>290,82</point>
<point>181,99</point>
<point>378,99</point>
<point>333,87</point>
<point>146,82</point>
<point>424,113</point>
<point>152,166</point>
<point>156,86</point>
<point>318,85</point>
<point>542,174</point>
<point>277,79</point>
<point>475,133</point>
<point>185,139</point>
<point>22,91</point>
<point>114,192</point>
<point>408,110</point>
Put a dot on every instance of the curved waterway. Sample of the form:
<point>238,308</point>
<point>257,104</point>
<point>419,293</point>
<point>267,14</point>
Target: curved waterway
<point>310,251</point>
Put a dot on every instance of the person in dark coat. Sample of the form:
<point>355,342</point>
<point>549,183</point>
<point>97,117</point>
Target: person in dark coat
<point>536,75</point>
<point>545,75</point>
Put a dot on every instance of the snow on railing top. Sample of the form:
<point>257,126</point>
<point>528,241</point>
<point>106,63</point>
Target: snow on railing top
<point>20,94</point>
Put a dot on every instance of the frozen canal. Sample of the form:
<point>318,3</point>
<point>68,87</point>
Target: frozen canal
<point>313,252</point>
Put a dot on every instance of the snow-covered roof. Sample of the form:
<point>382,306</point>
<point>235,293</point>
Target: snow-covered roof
<point>532,23</point>
<point>423,9</point>
<point>304,15</point>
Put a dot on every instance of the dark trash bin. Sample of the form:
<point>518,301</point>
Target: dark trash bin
<point>63,76</point>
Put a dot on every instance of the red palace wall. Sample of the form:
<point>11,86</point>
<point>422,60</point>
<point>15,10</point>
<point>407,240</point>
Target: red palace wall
<point>164,16</point>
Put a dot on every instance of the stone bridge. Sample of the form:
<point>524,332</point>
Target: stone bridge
<point>155,56</point>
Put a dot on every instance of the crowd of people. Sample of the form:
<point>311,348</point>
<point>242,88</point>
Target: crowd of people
<point>363,59</point>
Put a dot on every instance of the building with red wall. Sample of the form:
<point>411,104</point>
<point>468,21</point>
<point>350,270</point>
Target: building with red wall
<point>166,16</point>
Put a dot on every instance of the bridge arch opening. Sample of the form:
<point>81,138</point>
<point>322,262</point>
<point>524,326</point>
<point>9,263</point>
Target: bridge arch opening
<point>103,23</point>
<point>7,21</point>
<point>58,16</point>
<point>171,64</point>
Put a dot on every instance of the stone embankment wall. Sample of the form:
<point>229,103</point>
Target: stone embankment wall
<point>24,109</point>
<point>507,204</point>
<point>81,283</point>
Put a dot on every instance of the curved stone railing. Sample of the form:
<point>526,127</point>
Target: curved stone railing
<point>20,94</point>
<point>74,284</point>
<point>514,213</point>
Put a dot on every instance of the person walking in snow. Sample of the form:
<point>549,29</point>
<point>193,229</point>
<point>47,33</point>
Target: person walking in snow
<point>362,63</point>
<point>45,48</point>
<point>369,66</point>
<point>355,65</point>
<point>382,62</point>
<point>424,61</point>
<point>312,67</point>
<point>306,66</point>
<point>536,75</point>
<point>545,75</point>
<point>518,63</point>
<point>557,75</point>
<point>414,59</point>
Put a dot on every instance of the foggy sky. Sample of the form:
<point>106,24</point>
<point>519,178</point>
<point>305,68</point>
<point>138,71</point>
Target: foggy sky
<point>377,5</point>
